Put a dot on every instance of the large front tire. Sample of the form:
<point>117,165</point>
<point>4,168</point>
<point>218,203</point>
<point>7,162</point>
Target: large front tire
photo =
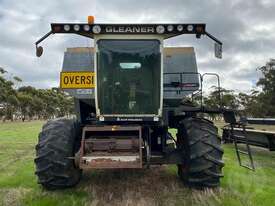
<point>202,153</point>
<point>56,144</point>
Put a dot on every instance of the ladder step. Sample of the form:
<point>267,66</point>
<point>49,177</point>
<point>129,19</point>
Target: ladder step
<point>243,152</point>
<point>241,137</point>
<point>247,167</point>
<point>238,136</point>
<point>241,141</point>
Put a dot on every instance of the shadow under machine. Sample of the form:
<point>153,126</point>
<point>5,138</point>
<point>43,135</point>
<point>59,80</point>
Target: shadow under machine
<point>129,90</point>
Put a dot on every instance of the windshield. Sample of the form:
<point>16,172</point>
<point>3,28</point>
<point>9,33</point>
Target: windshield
<point>128,76</point>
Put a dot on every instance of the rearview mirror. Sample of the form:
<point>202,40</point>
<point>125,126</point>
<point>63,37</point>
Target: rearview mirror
<point>39,51</point>
<point>218,50</point>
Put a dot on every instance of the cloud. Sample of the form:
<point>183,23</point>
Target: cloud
<point>245,27</point>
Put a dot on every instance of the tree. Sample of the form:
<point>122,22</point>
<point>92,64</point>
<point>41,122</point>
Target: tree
<point>267,82</point>
<point>8,97</point>
<point>28,102</point>
<point>223,97</point>
<point>250,104</point>
<point>25,105</point>
<point>2,70</point>
<point>220,98</point>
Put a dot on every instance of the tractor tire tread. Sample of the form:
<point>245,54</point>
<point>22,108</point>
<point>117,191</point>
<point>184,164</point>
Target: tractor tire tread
<point>202,153</point>
<point>55,144</point>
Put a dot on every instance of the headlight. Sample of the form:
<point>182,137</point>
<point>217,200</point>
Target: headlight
<point>87,27</point>
<point>190,28</point>
<point>76,27</point>
<point>67,27</point>
<point>160,29</point>
<point>170,28</point>
<point>96,29</point>
<point>180,28</point>
<point>156,119</point>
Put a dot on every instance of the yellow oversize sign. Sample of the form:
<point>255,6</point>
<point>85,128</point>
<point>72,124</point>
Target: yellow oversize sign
<point>77,80</point>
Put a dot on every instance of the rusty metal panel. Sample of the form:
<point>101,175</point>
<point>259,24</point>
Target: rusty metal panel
<point>109,152</point>
<point>116,161</point>
<point>111,128</point>
<point>112,144</point>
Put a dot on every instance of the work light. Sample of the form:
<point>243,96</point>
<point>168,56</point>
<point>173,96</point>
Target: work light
<point>180,28</point>
<point>87,27</point>
<point>76,27</point>
<point>190,28</point>
<point>160,29</point>
<point>170,28</point>
<point>96,29</point>
<point>67,27</point>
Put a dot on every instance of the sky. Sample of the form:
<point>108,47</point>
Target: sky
<point>245,27</point>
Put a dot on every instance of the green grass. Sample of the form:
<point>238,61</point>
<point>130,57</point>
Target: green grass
<point>155,186</point>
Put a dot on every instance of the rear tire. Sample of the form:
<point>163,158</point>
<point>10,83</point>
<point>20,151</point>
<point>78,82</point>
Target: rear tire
<point>202,153</point>
<point>57,141</point>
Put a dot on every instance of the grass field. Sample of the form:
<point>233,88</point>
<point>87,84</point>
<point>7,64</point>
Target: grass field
<point>155,186</point>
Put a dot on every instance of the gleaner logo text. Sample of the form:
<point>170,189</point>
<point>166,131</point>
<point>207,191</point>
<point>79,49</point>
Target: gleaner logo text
<point>129,29</point>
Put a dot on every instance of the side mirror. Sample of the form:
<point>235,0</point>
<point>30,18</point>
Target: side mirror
<point>39,51</point>
<point>218,50</point>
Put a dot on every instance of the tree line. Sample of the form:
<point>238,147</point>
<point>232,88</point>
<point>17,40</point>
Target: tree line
<point>258,102</point>
<point>27,102</point>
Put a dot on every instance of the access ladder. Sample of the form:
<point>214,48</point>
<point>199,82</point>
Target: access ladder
<point>238,135</point>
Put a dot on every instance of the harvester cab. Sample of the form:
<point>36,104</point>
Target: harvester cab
<point>128,92</point>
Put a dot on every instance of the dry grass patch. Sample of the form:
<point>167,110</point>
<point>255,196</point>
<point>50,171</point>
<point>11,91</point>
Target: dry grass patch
<point>12,196</point>
<point>133,187</point>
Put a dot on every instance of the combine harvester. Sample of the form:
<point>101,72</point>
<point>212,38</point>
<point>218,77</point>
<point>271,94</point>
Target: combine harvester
<point>128,91</point>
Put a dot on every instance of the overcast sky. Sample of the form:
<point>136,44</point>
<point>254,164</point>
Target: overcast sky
<point>247,29</point>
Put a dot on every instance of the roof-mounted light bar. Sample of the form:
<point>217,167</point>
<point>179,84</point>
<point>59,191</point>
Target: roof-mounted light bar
<point>167,30</point>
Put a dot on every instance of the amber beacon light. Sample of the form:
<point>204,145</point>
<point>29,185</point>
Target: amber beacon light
<point>91,19</point>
